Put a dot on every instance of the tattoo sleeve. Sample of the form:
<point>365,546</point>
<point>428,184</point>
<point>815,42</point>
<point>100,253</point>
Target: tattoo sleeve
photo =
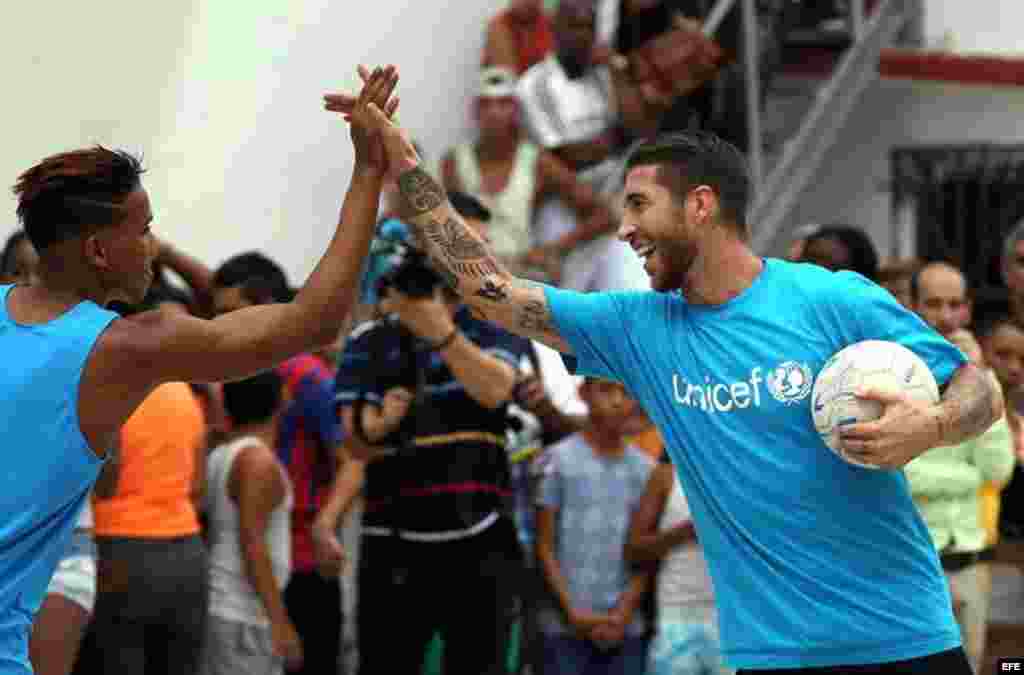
<point>460,256</point>
<point>970,404</point>
<point>460,250</point>
<point>535,318</point>
<point>421,192</point>
<point>492,290</point>
<point>455,249</point>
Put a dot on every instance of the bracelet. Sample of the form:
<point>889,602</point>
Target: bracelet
<point>445,342</point>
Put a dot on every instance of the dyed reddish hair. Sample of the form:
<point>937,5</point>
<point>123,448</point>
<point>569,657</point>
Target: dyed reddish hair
<point>75,193</point>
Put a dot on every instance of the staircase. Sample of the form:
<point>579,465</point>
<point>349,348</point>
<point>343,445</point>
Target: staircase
<point>807,105</point>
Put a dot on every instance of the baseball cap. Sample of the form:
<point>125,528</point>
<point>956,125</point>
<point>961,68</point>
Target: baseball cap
<point>497,82</point>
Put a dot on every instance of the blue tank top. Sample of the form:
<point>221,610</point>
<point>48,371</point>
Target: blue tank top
<point>48,468</point>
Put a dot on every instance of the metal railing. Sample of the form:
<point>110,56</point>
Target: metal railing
<point>957,203</point>
<point>777,190</point>
<point>751,73</point>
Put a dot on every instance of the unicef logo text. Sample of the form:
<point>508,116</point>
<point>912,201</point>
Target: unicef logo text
<point>787,383</point>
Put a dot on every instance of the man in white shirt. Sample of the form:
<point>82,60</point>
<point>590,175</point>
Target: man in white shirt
<point>582,112</point>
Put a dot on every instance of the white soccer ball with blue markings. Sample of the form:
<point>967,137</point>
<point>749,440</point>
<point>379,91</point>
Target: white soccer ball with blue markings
<point>873,363</point>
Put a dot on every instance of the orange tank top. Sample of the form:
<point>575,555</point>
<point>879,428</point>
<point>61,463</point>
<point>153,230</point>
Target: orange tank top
<point>157,463</point>
<point>649,440</point>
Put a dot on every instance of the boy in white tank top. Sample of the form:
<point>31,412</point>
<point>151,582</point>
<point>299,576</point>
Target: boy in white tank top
<point>662,532</point>
<point>248,507</point>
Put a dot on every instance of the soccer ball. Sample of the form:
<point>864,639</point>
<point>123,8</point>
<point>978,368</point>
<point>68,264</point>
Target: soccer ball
<point>872,363</point>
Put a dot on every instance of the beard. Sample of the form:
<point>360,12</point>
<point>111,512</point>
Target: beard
<point>669,265</point>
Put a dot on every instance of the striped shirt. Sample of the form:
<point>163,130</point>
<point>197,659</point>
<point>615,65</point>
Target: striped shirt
<point>453,474</point>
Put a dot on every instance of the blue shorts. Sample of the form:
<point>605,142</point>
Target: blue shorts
<point>685,649</point>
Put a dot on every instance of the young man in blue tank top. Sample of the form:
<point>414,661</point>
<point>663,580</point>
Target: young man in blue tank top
<point>817,564</point>
<point>76,371</point>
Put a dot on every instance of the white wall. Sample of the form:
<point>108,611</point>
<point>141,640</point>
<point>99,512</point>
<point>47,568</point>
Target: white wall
<point>851,183</point>
<point>224,100</point>
<point>975,26</point>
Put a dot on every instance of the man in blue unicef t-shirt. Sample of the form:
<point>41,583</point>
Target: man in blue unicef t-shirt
<point>818,565</point>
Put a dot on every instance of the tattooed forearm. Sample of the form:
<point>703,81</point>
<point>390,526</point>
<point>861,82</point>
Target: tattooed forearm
<point>475,269</point>
<point>457,248</point>
<point>534,317</point>
<point>458,242</point>
<point>458,253</point>
<point>970,405</point>
<point>421,192</point>
<point>455,240</point>
<point>492,290</point>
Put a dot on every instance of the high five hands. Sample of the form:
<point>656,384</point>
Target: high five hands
<point>362,112</point>
<point>380,144</point>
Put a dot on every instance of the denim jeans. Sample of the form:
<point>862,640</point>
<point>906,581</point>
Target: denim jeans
<point>568,655</point>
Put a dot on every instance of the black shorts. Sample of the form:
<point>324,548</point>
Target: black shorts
<point>952,662</point>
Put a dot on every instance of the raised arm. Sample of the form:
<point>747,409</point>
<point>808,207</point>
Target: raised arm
<point>164,346</point>
<point>135,355</point>
<point>161,346</point>
<point>454,248</point>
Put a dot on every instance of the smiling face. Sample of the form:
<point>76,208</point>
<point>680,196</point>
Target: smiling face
<point>660,229</point>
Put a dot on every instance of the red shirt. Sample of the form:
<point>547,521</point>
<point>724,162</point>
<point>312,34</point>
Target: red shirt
<point>534,40</point>
<point>308,436</point>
